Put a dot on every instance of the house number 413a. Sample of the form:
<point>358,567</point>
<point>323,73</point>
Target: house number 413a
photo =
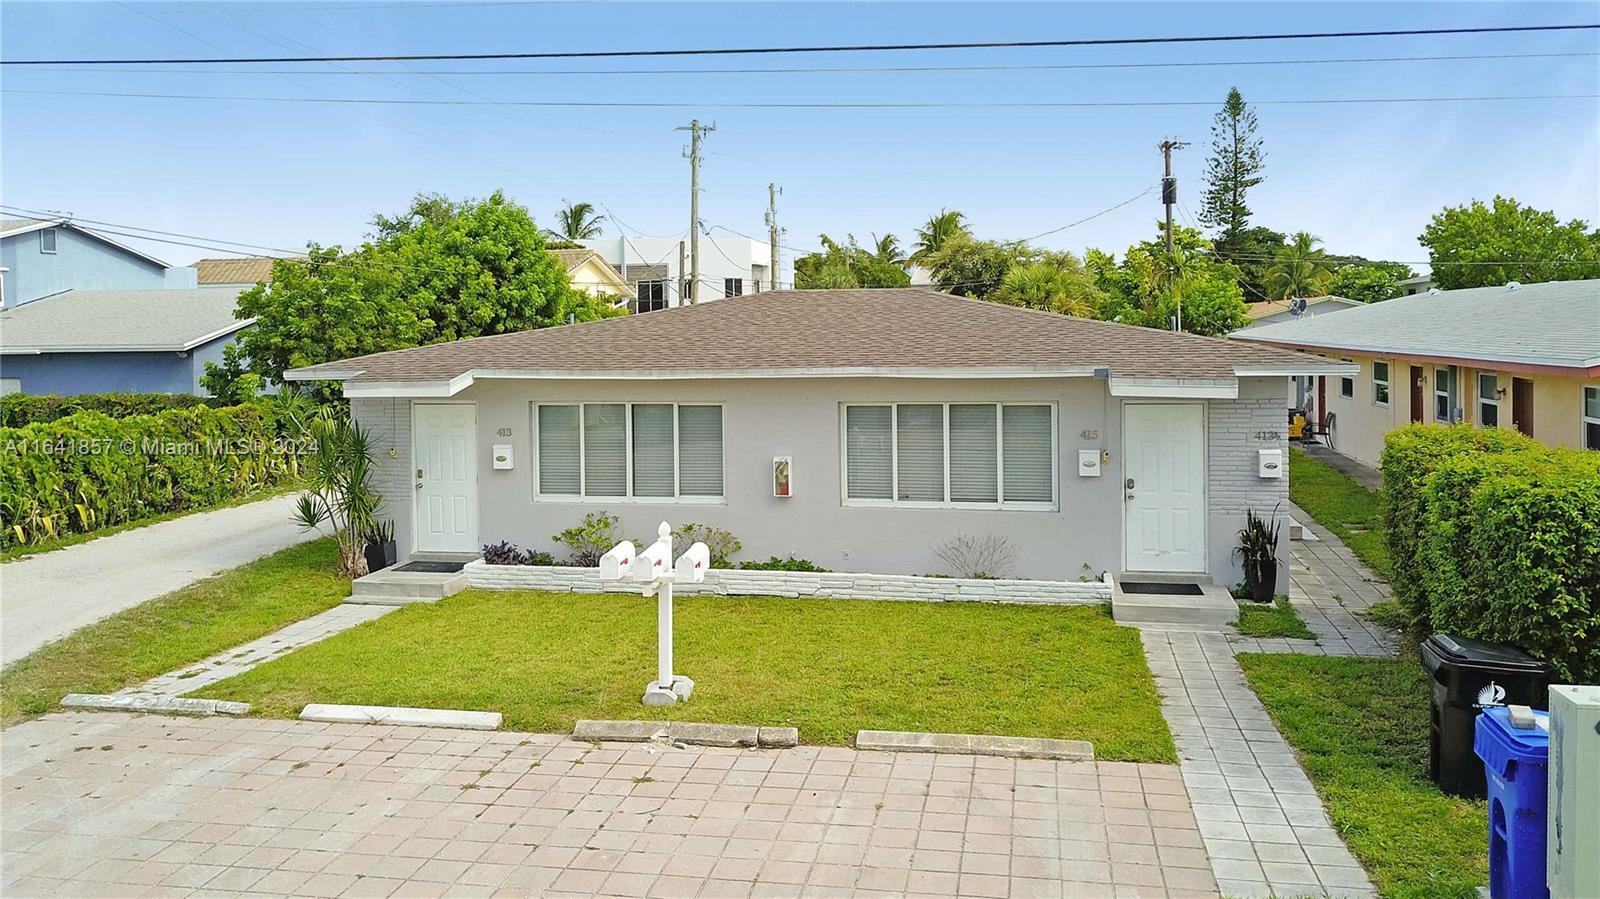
<point>1269,436</point>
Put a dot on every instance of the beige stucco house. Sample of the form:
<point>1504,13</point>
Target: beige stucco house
<point>1520,356</point>
<point>591,273</point>
<point>860,429</point>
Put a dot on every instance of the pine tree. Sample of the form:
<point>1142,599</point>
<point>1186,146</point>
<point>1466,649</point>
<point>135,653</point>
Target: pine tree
<point>1234,167</point>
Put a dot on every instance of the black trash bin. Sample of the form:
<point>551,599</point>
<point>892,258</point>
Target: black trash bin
<point>1468,676</point>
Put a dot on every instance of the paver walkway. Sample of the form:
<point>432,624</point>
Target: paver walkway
<point>1261,820</point>
<point>47,596</point>
<point>104,803</point>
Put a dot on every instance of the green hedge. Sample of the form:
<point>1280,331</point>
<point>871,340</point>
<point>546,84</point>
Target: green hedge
<point>1497,537</point>
<point>88,471</point>
<point>20,409</point>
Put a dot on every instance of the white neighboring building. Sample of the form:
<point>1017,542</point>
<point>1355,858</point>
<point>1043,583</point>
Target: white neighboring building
<point>729,266</point>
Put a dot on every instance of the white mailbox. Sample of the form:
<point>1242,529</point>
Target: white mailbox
<point>653,561</point>
<point>1269,463</point>
<point>1088,463</point>
<point>502,456</point>
<point>692,565</point>
<point>617,565</point>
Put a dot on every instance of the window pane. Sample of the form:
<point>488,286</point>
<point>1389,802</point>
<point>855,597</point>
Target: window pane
<point>1591,435</point>
<point>1489,415</point>
<point>653,463</point>
<point>869,463</point>
<point>919,447</point>
<point>558,450</point>
<point>1380,392</point>
<point>1380,371</point>
<point>974,474</point>
<point>1029,468</point>
<point>605,449</point>
<point>700,450</point>
<point>1591,402</point>
<point>1488,387</point>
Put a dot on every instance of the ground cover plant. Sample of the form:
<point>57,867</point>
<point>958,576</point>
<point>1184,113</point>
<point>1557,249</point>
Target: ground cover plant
<point>1274,619</point>
<point>828,667</point>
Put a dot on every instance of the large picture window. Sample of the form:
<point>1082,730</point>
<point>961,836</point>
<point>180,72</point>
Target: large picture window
<point>628,451</point>
<point>996,455</point>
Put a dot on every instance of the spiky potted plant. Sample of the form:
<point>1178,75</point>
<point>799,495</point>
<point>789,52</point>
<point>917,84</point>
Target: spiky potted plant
<point>1258,550</point>
<point>380,549</point>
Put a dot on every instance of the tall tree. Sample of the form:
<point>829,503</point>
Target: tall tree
<point>1234,167</point>
<point>938,231</point>
<point>849,264</point>
<point>1301,269</point>
<point>1485,246</point>
<point>578,221</point>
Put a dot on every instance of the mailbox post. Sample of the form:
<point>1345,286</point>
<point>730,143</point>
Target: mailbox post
<point>654,570</point>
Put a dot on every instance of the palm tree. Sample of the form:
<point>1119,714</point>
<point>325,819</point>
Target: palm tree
<point>887,249</point>
<point>578,221</point>
<point>1301,270</point>
<point>938,230</point>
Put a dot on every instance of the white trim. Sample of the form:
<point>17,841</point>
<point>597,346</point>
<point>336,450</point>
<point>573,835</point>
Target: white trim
<point>1175,388</point>
<point>472,466</point>
<point>1290,369</point>
<point>628,499</point>
<point>68,223</point>
<point>1584,419</point>
<point>400,389</point>
<point>1205,486</point>
<point>1054,505</point>
<point>1493,400</point>
<point>1387,382</point>
<point>943,372</point>
<point>1363,349</point>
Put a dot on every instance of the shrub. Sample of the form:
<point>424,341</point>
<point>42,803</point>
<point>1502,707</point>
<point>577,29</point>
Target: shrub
<point>590,539</point>
<point>977,557</point>
<point>88,471</point>
<point>721,543</point>
<point>1410,455</point>
<point>505,553</point>
<point>788,564</point>
<point>1502,542</point>
<point>20,409</point>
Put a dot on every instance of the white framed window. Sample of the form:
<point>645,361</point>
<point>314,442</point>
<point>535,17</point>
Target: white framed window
<point>628,452</point>
<point>47,240</point>
<point>1488,399</point>
<point>1444,394</point>
<point>950,455</point>
<point>652,296</point>
<point>1380,383</point>
<point>1591,417</point>
<point>1347,384</point>
<point>732,287</point>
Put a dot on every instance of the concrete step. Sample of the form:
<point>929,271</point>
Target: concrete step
<point>1211,610</point>
<point>1164,577</point>
<point>398,587</point>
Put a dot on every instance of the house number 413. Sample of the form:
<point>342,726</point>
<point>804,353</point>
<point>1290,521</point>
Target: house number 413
<point>503,432</point>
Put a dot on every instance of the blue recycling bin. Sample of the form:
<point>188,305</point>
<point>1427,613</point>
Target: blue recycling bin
<point>1517,764</point>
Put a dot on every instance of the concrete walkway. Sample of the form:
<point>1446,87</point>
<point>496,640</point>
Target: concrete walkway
<point>113,804</point>
<point>1364,474</point>
<point>47,596</point>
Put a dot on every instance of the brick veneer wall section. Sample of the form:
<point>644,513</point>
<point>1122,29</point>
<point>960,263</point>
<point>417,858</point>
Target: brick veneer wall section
<point>825,585</point>
<point>388,426</point>
<point>1234,427</point>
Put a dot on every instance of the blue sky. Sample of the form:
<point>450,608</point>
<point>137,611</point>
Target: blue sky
<point>1365,178</point>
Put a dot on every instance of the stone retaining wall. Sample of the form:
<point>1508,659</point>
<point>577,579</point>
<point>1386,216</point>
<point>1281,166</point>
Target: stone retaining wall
<point>830,585</point>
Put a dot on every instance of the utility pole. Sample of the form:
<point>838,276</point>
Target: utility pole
<point>772,233</point>
<point>1169,197</point>
<point>696,131</point>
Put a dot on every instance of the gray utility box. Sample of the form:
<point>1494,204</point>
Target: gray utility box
<point>1573,863</point>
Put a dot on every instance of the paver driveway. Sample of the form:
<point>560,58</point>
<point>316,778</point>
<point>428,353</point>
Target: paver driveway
<point>112,804</point>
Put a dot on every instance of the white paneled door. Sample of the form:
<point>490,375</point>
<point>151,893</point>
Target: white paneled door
<point>1164,454</point>
<point>445,452</point>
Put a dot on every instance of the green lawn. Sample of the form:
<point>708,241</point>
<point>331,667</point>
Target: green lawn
<point>167,633</point>
<point>828,667</point>
<point>18,550</point>
<point>1361,729</point>
<point>1275,620</point>
<point>1342,506</point>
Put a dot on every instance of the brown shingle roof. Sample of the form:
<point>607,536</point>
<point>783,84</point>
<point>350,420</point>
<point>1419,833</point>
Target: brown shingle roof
<point>234,271</point>
<point>908,328</point>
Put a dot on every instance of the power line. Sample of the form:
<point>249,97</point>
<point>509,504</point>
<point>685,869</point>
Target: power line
<point>630,104</point>
<point>834,48</point>
<point>796,70</point>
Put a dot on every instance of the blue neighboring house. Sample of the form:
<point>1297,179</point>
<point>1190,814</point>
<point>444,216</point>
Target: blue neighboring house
<point>42,257</point>
<point>98,341</point>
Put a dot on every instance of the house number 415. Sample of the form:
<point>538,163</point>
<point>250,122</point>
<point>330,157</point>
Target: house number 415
<point>1089,434</point>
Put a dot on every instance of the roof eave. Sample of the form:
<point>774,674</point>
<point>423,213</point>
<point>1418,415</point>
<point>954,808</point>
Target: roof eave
<point>1535,364</point>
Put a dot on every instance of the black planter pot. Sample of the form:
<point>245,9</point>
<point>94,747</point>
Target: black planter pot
<point>381,555</point>
<point>1262,580</point>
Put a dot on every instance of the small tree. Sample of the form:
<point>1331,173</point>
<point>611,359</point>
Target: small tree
<point>578,221</point>
<point>339,494</point>
<point>1233,169</point>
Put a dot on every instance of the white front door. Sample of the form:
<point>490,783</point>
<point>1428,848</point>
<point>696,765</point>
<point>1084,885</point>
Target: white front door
<point>444,449</point>
<point>1164,450</point>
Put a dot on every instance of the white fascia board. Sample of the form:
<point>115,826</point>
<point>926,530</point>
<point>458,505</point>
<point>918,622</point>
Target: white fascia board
<point>220,332</point>
<point>1331,367</point>
<point>398,389</point>
<point>36,226</point>
<point>1175,388</point>
<point>1402,352</point>
<point>301,374</point>
<point>944,373</point>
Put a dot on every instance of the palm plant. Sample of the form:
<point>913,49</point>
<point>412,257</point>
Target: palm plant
<point>578,221</point>
<point>937,232</point>
<point>339,494</point>
<point>887,249</point>
<point>1301,270</point>
<point>1042,285</point>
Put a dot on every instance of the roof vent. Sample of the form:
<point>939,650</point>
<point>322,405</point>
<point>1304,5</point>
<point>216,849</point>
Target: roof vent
<point>1513,285</point>
<point>1433,291</point>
